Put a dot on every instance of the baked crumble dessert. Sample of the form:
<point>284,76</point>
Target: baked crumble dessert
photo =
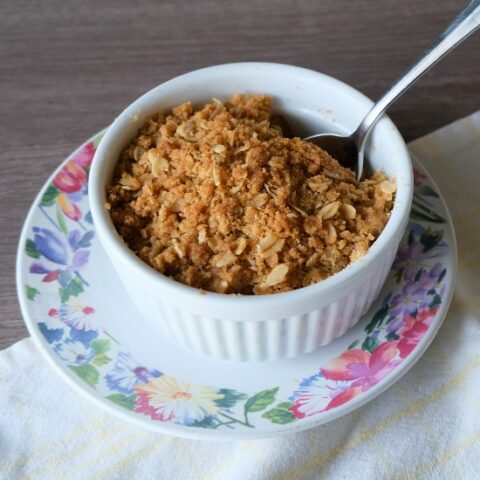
<point>217,198</point>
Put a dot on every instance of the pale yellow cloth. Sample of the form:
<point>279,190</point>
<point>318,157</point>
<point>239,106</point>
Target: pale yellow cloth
<point>425,427</point>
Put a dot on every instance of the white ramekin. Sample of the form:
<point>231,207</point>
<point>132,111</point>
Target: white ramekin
<point>266,327</point>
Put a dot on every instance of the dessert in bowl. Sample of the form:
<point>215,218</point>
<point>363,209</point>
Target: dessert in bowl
<point>242,296</point>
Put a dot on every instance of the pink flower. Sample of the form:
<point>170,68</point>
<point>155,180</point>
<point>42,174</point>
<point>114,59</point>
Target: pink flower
<point>353,372</point>
<point>343,397</point>
<point>414,329</point>
<point>362,368</point>
<point>317,394</point>
<point>71,178</point>
<point>84,156</point>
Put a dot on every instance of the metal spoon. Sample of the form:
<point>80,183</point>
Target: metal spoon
<point>350,150</point>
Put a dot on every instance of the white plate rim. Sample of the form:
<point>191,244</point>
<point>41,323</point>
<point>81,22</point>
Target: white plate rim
<point>206,434</point>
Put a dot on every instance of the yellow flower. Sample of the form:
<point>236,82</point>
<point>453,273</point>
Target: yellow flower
<point>164,398</point>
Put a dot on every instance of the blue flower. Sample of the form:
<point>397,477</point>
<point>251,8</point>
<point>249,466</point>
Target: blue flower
<point>127,374</point>
<point>83,336</point>
<point>76,314</point>
<point>63,257</point>
<point>77,317</point>
<point>51,335</point>
<point>75,353</point>
<point>50,246</point>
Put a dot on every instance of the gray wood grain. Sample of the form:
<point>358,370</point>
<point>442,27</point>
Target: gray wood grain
<point>66,69</point>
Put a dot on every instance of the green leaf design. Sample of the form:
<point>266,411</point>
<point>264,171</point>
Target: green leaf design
<point>353,344</point>
<point>398,275</point>
<point>230,398</point>
<point>207,422</point>
<point>426,190</point>
<point>437,300</point>
<point>100,345</point>
<point>281,414</point>
<point>377,319</point>
<point>422,213</point>
<point>73,289</point>
<point>61,222</point>
<point>101,359</point>
<point>442,275</point>
<point>260,400</point>
<point>32,292</point>
<point>370,344</point>
<point>49,196</point>
<point>31,249</point>
<point>87,373</point>
<point>431,239</point>
<point>392,336</point>
<point>123,400</point>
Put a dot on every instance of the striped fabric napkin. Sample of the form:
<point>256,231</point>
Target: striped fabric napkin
<point>425,427</point>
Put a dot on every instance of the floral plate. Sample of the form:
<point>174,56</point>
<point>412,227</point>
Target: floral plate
<point>81,318</point>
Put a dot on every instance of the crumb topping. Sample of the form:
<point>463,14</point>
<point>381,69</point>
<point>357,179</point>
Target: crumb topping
<point>217,198</point>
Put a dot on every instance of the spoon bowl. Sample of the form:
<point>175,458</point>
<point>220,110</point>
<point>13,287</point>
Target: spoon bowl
<point>344,149</point>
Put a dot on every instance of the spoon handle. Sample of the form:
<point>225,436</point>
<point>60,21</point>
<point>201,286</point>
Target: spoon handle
<point>465,24</point>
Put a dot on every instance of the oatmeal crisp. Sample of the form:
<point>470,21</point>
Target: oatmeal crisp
<point>217,198</point>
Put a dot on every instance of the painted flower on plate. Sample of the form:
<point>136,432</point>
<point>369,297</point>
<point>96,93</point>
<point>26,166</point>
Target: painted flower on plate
<point>84,155</point>
<point>408,257</point>
<point>76,315</point>
<point>127,374</point>
<point>344,378</point>
<point>61,257</point>
<point>71,181</point>
<point>412,298</point>
<point>316,394</point>
<point>363,368</point>
<point>75,353</point>
<point>50,331</point>
<point>68,207</point>
<point>413,330</point>
<point>166,399</point>
<point>428,280</point>
<point>71,178</point>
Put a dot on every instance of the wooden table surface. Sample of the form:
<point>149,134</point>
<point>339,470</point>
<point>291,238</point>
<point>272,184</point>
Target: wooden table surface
<point>67,68</point>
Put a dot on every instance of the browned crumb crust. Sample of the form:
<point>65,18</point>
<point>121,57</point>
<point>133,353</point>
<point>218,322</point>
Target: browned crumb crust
<point>218,199</point>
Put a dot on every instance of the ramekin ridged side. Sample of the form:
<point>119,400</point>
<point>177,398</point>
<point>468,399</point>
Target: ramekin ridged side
<point>258,340</point>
